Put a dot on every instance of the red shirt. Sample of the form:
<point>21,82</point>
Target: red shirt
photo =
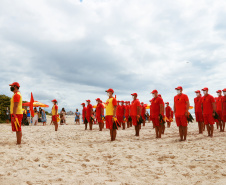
<point>88,111</point>
<point>143,110</point>
<point>168,111</point>
<point>180,104</point>
<point>127,110</point>
<point>155,104</point>
<point>84,112</point>
<point>224,105</point>
<point>118,110</point>
<point>151,112</point>
<point>198,104</point>
<point>207,102</point>
<point>134,105</point>
<point>98,109</point>
<point>122,110</point>
<point>219,103</point>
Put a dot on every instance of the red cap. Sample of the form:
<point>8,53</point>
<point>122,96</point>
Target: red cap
<point>205,89</point>
<point>122,101</point>
<point>179,88</point>
<point>224,90</point>
<point>134,94</point>
<point>15,84</point>
<point>88,100</point>
<point>219,91</point>
<point>54,100</point>
<point>167,103</point>
<point>101,101</point>
<point>83,104</point>
<point>159,95</point>
<point>98,99</point>
<point>154,91</point>
<point>198,91</point>
<point>110,90</point>
<point>142,103</point>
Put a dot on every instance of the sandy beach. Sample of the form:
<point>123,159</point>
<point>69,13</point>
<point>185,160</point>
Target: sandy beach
<point>75,156</point>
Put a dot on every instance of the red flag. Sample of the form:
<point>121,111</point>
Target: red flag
<point>31,105</point>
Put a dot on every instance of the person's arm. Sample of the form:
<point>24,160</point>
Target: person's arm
<point>174,109</point>
<point>102,111</point>
<point>15,107</point>
<point>214,108</point>
<point>187,108</point>
<point>162,109</point>
<point>114,113</point>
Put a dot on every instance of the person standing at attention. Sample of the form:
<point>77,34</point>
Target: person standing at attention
<point>55,115</point>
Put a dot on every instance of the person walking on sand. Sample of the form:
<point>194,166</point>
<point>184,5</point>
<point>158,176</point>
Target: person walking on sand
<point>209,109</point>
<point>84,115</point>
<point>89,112</point>
<point>16,111</point>
<point>224,108</point>
<point>181,107</point>
<point>111,106</point>
<point>100,113</point>
<point>198,111</point>
<point>135,113</point>
<point>157,112</point>
<point>168,111</point>
<point>55,115</point>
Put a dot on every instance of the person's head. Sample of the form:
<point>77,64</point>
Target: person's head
<point>76,110</point>
<point>83,104</point>
<point>14,87</point>
<point>63,109</point>
<point>128,102</point>
<point>224,92</point>
<point>179,90</point>
<point>88,102</point>
<point>198,93</point>
<point>134,96</point>
<point>122,102</point>
<point>205,91</point>
<point>219,93</point>
<point>110,92</point>
<point>118,102</point>
<point>154,93</point>
<point>35,109</point>
<point>167,104</point>
<point>142,103</point>
<point>98,100</point>
<point>54,102</point>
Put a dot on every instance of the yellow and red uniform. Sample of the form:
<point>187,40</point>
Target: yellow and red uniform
<point>16,98</point>
<point>133,112</point>
<point>198,109</point>
<point>110,103</point>
<point>207,103</point>
<point>180,105</point>
<point>55,113</point>
<point>156,102</point>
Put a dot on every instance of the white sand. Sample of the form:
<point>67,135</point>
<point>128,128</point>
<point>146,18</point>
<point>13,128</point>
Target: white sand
<point>75,156</point>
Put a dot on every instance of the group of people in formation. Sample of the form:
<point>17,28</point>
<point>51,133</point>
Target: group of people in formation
<point>208,110</point>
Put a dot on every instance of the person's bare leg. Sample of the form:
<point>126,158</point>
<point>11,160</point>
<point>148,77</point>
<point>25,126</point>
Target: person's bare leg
<point>56,125</point>
<point>208,129</point>
<point>111,134</point>
<point>19,136</point>
<point>123,125</point>
<point>223,126</point>
<point>144,123</point>
<point>159,131</point>
<point>114,134</point>
<point>156,132</point>
<point>100,126</point>
<point>217,123</point>
<point>181,133</point>
<point>85,126</point>
<point>168,125</point>
<point>211,130</point>
<point>185,133</point>
<point>203,126</point>
<point>90,125</point>
<point>163,128</point>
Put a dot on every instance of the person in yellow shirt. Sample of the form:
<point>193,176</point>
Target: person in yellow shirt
<point>55,115</point>
<point>111,105</point>
<point>16,111</point>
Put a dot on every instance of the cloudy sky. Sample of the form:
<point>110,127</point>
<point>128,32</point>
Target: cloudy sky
<point>74,50</point>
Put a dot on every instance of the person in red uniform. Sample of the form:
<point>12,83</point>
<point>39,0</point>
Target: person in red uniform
<point>224,108</point>
<point>16,111</point>
<point>163,125</point>
<point>181,107</point>
<point>198,111</point>
<point>143,111</point>
<point>209,109</point>
<point>122,115</point>
<point>118,111</point>
<point>168,111</point>
<point>89,112</point>
<point>84,115</point>
<point>111,106</point>
<point>55,115</point>
<point>127,113</point>
<point>151,112</point>
<point>157,110</point>
<point>99,113</point>
<point>219,109</point>
<point>135,113</point>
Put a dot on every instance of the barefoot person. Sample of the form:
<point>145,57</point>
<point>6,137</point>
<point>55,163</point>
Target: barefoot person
<point>55,115</point>
<point>16,111</point>
<point>122,115</point>
<point>224,108</point>
<point>219,109</point>
<point>209,109</point>
<point>135,113</point>
<point>111,106</point>
<point>168,111</point>
<point>157,111</point>
<point>77,117</point>
<point>143,111</point>
<point>198,111</point>
<point>89,112</point>
<point>181,107</point>
<point>127,113</point>
<point>99,113</point>
<point>84,115</point>
<point>162,124</point>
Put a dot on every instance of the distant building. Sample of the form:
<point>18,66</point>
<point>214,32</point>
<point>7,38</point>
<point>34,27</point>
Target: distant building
<point>70,113</point>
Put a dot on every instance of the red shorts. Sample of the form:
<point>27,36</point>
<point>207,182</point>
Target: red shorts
<point>20,118</point>
<point>156,121</point>
<point>181,121</point>
<point>224,118</point>
<point>99,119</point>
<point>120,119</point>
<point>208,119</point>
<point>143,117</point>
<point>54,118</point>
<point>88,118</point>
<point>134,120</point>
<point>199,117</point>
<point>220,114</point>
<point>109,123</point>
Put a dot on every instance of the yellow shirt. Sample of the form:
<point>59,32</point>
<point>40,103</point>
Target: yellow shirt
<point>19,108</point>
<point>55,110</point>
<point>110,103</point>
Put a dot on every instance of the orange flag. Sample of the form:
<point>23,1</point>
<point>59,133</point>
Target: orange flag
<point>31,105</point>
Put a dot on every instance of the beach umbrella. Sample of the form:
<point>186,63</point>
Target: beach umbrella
<point>191,107</point>
<point>35,104</point>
